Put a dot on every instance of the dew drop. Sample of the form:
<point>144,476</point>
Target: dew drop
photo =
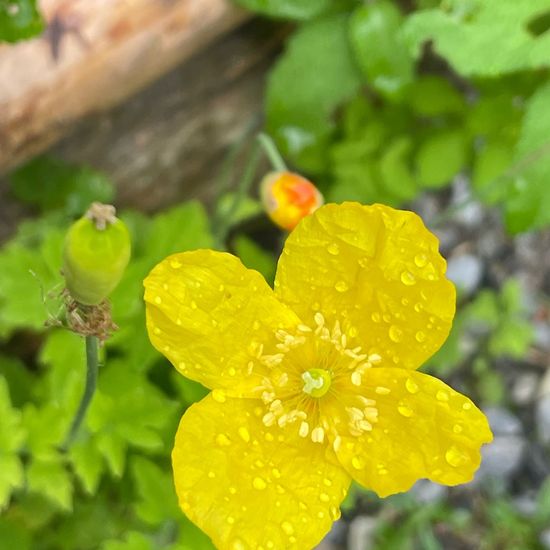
<point>411,385</point>
<point>334,513</point>
<point>442,395</point>
<point>211,474</point>
<point>395,333</point>
<point>222,440</point>
<point>156,330</point>
<point>358,463</point>
<point>259,483</point>
<point>230,520</point>
<point>276,473</point>
<point>333,249</point>
<point>457,428</point>
<point>467,406</point>
<point>455,457</point>
<point>231,371</point>
<point>420,336</point>
<point>158,300</point>
<point>320,514</point>
<point>418,307</point>
<point>218,395</point>
<point>376,317</point>
<point>341,286</point>
<point>421,260</point>
<point>404,410</point>
<point>193,304</point>
<point>238,544</point>
<point>323,497</point>
<point>381,390</point>
<point>244,434</point>
<point>287,527</point>
<point>232,490</point>
<point>407,278</point>
<point>327,482</point>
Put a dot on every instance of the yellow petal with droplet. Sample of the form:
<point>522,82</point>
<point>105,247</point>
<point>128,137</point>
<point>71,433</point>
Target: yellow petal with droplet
<point>417,434</point>
<point>280,480</point>
<point>210,316</point>
<point>377,267</point>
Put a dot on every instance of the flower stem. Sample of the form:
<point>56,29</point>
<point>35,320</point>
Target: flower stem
<point>272,152</point>
<point>92,364</point>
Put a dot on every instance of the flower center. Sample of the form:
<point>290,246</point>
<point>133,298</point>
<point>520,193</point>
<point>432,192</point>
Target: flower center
<point>316,382</point>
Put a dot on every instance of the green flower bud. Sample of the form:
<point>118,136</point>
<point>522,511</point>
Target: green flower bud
<point>97,250</point>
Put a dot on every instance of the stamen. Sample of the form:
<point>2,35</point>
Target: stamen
<point>304,429</point>
<point>318,435</point>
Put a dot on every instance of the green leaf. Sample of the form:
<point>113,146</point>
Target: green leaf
<point>491,162</point>
<point>31,283</point>
<point>12,437</point>
<point>19,19</point>
<point>313,77</point>
<point>482,37</point>
<point>14,535</point>
<point>87,463</point>
<point>431,96</point>
<point>395,170</point>
<point>527,203</point>
<point>441,157</point>
<point>51,184</point>
<point>299,10</point>
<point>49,478</point>
<point>157,498</point>
<point>379,47</point>
<point>255,257</point>
<point>132,541</point>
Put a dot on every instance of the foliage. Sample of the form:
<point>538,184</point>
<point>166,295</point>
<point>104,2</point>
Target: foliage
<point>113,488</point>
<point>19,19</point>
<point>377,114</point>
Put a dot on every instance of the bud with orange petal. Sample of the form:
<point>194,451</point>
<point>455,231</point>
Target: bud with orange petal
<point>288,197</point>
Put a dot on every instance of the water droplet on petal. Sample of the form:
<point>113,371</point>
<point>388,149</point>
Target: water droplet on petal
<point>376,317</point>
<point>333,249</point>
<point>323,497</point>
<point>467,406</point>
<point>287,527</point>
<point>276,473</point>
<point>358,463</point>
<point>407,278</point>
<point>230,520</point>
<point>421,260</point>
<point>455,457</point>
<point>244,434</point>
<point>222,440</point>
<point>259,483</point>
<point>238,544</point>
<point>411,385</point>
<point>218,395</point>
<point>420,336</point>
<point>457,428</point>
<point>341,286</point>
<point>404,410</point>
<point>395,333</point>
<point>334,513</point>
<point>442,395</point>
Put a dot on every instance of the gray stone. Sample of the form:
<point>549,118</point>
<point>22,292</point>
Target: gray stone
<point>544,538</point>
<point>502,421</point>
<point>526,504</point>
<point>501,459</point>
<point>542,419</point>
<point>426,492</point>
<point>525,388</point>
<point>542,334</point>
<point>361,533</point>
<point>466,272</point>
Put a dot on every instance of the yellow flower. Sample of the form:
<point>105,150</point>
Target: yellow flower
<point>314,383</point>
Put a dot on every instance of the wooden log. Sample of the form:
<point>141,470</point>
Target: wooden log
<point>92,55</point>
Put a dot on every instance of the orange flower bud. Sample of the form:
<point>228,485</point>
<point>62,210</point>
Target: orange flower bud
<point>288,197</point>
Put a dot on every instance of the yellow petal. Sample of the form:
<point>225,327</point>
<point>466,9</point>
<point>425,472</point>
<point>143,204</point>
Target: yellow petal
<point>378,272</point>
<point>424,429</point>
<point>252,487</point>
<point>210,316</point>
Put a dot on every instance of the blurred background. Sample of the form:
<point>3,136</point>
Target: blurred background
<point>441,107</point>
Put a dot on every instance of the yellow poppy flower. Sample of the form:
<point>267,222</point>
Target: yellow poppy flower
<point>313,383</point>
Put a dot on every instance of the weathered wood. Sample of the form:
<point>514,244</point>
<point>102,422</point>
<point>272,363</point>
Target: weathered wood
<point>92,55</point>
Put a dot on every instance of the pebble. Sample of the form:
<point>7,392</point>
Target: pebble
<point>427,492</point>
<point>545,539</point>
<point>525,388</point>
<point>465,271</point>
<point>501,459</point>
<point>542,419</point>
<point>502,421</point>
<point>361,533</point>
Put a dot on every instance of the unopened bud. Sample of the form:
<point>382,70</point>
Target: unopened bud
<point>97,250</point>
<point>288,197</point>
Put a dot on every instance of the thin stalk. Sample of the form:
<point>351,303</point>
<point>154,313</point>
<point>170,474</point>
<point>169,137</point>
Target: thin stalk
<point>272,152</point>
<point>92,365</point>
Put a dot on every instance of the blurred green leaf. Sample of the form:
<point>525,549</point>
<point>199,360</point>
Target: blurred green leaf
<point>441,157</point>
<point>314,76</point>
<point>50,478</point>
<point>52,184</point>
<point>527,204</point>
<point>87,463</point>
<point>431,96</point>
<point>490,164</point>
<point>299,10</point>
<point>14,536</point>
<point>19,19</point>
<point>482,37</point>
<point>133,541</point>
<point>255,257</point>
<point>379,48</point>
<point>11,439</point>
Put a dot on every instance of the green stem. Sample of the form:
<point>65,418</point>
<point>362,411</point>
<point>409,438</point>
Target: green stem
<point>272,152</point>
<point>92,364</point>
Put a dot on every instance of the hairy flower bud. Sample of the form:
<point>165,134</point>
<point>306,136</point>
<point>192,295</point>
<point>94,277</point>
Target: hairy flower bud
<point>97,250</point>
<point>288,197</point>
